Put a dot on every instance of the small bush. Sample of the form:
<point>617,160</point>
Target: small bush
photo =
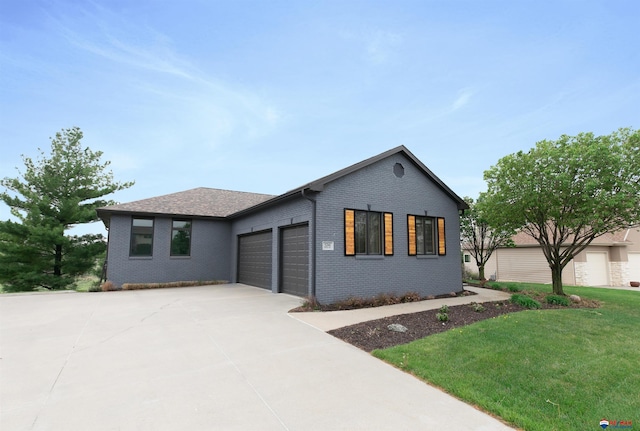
<point>525,301</point>
<point>557,300</point>
<point>442,317</point>
<point>411,297</point>
<point>478,308</point>
<point>108,286</point>
<point>444,309</point>
<point>513,287</point>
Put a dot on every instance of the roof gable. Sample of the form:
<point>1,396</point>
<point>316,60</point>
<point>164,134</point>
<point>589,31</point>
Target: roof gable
<point>207,202</point>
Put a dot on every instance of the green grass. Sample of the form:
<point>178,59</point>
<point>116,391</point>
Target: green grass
<point>540,369</point>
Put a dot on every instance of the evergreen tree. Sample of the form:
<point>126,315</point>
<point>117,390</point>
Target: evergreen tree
<point>54,194</point>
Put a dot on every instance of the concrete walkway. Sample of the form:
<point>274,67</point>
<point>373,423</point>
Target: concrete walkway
<point>225,357</point>
<point>338,319</point>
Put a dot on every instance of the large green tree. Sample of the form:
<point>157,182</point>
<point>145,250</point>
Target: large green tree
<point>53,194</point>
<point>479,237</point>
<point>567,192</point>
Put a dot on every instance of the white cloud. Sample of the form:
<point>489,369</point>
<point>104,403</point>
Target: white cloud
<point>380,45</point>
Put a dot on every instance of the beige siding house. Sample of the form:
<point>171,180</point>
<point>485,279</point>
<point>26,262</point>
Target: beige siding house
<point>610,260</point>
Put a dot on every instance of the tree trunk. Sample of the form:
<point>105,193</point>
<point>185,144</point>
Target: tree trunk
<point>481,272</point>
<point>556,279</point>
<point>57,265</point>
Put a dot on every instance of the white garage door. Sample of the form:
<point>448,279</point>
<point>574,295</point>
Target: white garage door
<point>597,267</point>
<point>634,266</point>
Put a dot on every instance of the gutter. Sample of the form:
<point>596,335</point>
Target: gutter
<point>313,243</point>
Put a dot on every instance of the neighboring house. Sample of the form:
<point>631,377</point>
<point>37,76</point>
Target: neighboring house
<point>384,225</point>
<point>610,260</point>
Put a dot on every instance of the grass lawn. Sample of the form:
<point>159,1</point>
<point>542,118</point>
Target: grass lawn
<point>541,370</point>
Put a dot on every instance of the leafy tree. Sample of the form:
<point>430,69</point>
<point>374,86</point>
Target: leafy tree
<point>566,193</point>
<point>478,237</point>
<point>53,194</point>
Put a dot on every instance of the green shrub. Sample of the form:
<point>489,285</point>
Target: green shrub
<point>557,299</point>
<point>525,301</point>
<point>478,308</point>
<point>443,317</point>
<point>444,309</point>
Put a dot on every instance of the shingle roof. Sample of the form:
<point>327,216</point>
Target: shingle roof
<point>199,202</point>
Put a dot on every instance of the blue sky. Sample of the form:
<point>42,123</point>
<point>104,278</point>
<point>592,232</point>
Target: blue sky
<point>264,96</point>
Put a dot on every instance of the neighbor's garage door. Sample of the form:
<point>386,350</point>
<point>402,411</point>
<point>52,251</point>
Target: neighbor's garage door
<point>294,260</point>
<point>634,266</point>
<point>598,274</point>
<point>254,259</point>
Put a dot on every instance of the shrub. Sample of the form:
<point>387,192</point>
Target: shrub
<point>513,287</point>
<point>478,308</point>
<point>557,299</point>
<point>443,317</point>
<point>525,301</point>
<point>411,297</point>
<point>444,309</point>
<point>139,286</point>
<point>108,286</point>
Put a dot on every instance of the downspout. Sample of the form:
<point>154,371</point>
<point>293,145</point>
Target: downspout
<point>313,244</point>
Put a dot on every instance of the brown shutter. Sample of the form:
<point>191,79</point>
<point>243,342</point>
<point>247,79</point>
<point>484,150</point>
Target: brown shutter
<point>349,232</point>
<point>388,234</point>
<point>411,226</point>
<point>442,243</point>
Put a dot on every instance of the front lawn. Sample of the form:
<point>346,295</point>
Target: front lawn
<point>540,369</point>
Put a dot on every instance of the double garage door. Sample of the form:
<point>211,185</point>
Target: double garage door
<point>255,259</point>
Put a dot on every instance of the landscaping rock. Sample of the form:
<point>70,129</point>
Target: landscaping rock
<point>396,327</point>
<point>575,298</point>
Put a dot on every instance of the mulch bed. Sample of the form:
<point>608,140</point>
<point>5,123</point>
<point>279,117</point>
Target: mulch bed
<point>374,334</point>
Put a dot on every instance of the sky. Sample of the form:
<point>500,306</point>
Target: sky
<point>264,96</point>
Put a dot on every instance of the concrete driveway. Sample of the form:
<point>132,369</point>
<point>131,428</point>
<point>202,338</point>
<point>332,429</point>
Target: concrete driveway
<point>223,357</point>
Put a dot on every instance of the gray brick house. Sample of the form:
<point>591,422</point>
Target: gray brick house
<point>384,225</point>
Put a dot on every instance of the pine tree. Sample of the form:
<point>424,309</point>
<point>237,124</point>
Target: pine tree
<point>54,194</point>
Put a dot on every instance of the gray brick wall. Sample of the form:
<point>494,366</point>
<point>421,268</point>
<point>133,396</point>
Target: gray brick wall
<point>209,258</point>
<point>341,276</point>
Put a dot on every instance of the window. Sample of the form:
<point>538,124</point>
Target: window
<point>467,258</point>
<point>181,237</point>
<point>424,232</point>
<point>368,232</point>
<point>141,237</point>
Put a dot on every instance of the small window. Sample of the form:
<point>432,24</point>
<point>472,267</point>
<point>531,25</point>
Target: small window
<point>425,234</point>
<point>181,238</point>
<point>368,233</point>
<point>467,258</point>
<point>141,237</point>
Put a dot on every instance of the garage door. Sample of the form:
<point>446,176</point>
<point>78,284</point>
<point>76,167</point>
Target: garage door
<point>634,266</point>
<point>597,271</point>
<point>294,260</point>
<point>254,259</point>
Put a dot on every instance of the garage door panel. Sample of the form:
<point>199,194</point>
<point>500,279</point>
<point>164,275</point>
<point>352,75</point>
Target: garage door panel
<point>255,259</point>
<point>294,260</point>
<point>634,266</point>
<point>597,269</point>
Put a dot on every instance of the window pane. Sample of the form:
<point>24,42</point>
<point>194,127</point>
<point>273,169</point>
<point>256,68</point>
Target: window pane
<point>141,237</point>
<point>419,235</point>
<point>375,237</point>
<point>361,232</point>
<point>429,247</point>
<point>143,222</point>
<point>180,243</point>
<point>181,238</point>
